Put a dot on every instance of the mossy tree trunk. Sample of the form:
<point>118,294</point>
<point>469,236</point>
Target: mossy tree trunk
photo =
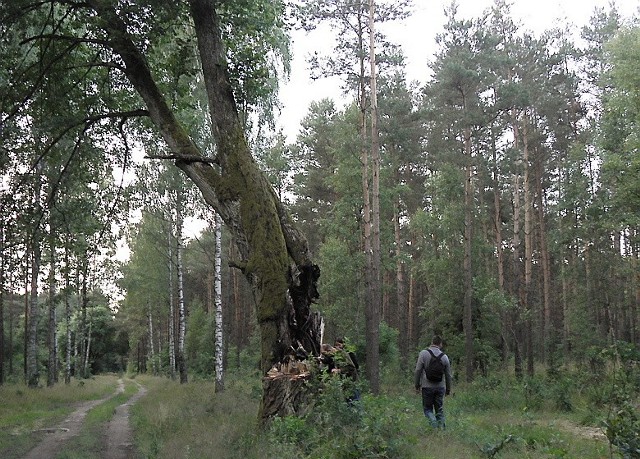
<point>273,254</point>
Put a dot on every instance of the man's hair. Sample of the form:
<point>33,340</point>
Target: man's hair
<point>437,340</point>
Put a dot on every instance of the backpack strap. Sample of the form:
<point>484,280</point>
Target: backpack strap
<point>438,357</point>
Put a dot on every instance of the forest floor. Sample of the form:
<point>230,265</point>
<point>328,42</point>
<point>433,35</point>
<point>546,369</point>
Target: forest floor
<point>109,417</point>
<point>116,438</point>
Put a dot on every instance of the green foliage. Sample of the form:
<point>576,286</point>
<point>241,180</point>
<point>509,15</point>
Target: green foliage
<point>335,428</point>
<point>622,428</point>
<point>200,341</point>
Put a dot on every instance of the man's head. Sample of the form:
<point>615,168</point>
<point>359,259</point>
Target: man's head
<point>436,341</point>
<point>326,349</point>
<point>339,343</point>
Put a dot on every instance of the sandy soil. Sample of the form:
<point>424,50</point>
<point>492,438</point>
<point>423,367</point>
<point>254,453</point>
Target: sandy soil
<point>118,437</point>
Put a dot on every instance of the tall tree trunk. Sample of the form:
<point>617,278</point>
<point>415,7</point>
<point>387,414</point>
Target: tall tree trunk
<point>219,387</point>
<point>52,344</point>
<point>401,300</point>
<point>370,333</point>
<point>2,296</point>
<point>172,312</point>
<point>27,276</point>
<point>517,279</point>
<point>373,316</point>
<point>182,316</point>
<point>67,313</point>
<point>152,353</point>
<point>87,351</point>
<point>528,249</point>
<point>549,334</point>
<point>33,372</point>
<point>238,304</point>
<point>467,268</point>
<point>497,223</point>
<point>84,328</point>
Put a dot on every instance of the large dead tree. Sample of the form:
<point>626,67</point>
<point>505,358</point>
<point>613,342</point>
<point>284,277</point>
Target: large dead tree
<point>274,255</point>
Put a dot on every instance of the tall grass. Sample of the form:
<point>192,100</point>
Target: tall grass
<point>540,417</point>
<point>496,417</point>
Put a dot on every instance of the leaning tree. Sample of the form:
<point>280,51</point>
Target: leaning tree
<point>135,59</point>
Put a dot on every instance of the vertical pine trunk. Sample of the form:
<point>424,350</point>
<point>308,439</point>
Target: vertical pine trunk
<point>376,297</point>
<point>52,368</point>
<point>412,311</point>
<point>152,353</point>
<point>33,372</point>
<point>517,279</point>
<point>84,328</point>
<point>371,364</point>
<point>401,300</point>
<point>528,251</point>
<point>548,334</point>
<point>467,323</point>
<point>497,223</point>
<point>67,314</point>
<point>219,386</point>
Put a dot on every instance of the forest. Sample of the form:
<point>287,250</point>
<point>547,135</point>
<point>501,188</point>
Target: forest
<point>496,205</point>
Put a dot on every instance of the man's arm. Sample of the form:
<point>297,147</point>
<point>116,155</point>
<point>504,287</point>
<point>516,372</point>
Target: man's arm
<point>418,373</point>
<point>447,376</point>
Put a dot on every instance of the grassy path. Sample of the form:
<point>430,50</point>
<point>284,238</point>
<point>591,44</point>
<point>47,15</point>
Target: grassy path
<point>85,419</point>
<point>119,434</point>
<point>57,436</point>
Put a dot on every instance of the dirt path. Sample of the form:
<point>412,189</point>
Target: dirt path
<point>118,436</point>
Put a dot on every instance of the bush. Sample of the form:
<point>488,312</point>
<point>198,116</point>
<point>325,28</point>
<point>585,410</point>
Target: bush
<point>337,428</point>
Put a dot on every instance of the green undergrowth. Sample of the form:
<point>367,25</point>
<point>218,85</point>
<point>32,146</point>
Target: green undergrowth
<point>567,414</point>
<point>542,417</point>
<point>24,411</point>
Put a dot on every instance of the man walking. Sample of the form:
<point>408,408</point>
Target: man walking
<point>433,376</point>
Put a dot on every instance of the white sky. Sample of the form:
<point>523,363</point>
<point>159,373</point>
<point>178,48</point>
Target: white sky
<point>417,35</point>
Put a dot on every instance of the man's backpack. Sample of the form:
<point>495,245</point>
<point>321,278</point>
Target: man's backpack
<point>435,369</point>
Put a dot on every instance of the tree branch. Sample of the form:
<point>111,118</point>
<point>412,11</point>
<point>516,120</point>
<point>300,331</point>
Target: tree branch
<point>185,158</point>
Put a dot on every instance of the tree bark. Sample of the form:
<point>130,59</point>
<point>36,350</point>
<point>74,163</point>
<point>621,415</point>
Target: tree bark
<point>52,367</point>
<point>467,263</point>
<point>517,280</point>
<point>67,313</point>
<point>373,316</point>
<point>172,313</point>
<point>152,353</point>
<point>219,351</point>
<point>182,313</point>
<point>401,300</point>
<point>33,372</point>
<point>2,289</point>
<point>528,249</point>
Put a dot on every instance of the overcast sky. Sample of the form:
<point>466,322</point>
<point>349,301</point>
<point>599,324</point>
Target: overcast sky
<point>416,35</point>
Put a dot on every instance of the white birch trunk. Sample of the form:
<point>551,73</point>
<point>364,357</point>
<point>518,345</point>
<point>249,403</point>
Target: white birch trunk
<point>172,314</point>
<point>218,302</point>
<point>182,367</point>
